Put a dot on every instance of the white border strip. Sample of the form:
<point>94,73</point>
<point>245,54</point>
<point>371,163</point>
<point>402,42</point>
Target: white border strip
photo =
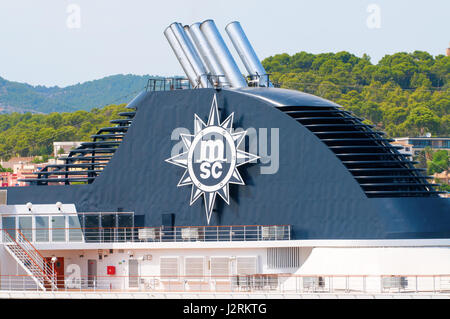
<point>250,244</point>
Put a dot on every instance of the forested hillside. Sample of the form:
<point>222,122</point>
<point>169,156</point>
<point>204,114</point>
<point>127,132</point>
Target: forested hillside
<point>33,134</point>
<point>404,94</point>
<point>21,97</point>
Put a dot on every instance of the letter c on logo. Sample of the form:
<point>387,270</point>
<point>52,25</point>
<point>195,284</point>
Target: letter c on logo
<point>216,173</point>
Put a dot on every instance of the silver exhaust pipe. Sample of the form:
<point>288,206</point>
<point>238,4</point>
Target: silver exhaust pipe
<point>207,54</point>
<point>181,56</point>
<point>195,48</point>
<point>222,54</point>
<point>247,54</point>
<point>191,55</point>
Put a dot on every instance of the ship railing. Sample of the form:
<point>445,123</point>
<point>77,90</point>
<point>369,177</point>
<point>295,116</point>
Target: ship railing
<point>158,234</point>
<point>183,83</point>
<point>254,80</point>
<point>254,283</point>
<point>168,84</point>
<point>30,256</point>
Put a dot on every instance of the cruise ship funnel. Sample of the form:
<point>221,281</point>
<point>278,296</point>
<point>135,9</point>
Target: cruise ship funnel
<point>181,56</point>
<point>194,48</point>
<point>222,54</point>
<point>207,54</point>
<point>247,54</point>
<point>191,55</point>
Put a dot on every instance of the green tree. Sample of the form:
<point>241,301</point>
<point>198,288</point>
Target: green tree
<point>403,94</point>
<point>423,119</point>
<point>439,163</point>
<point>34,134</point>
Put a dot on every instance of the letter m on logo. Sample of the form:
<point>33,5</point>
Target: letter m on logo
<point>211,151</point>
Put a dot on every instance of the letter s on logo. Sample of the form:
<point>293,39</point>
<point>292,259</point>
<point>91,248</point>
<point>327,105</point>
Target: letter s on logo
<point>204,168</point>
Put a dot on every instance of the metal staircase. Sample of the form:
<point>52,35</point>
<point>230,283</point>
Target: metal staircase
<point>30,260</point>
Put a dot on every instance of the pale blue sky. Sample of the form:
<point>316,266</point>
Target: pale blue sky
<point>115,36</point>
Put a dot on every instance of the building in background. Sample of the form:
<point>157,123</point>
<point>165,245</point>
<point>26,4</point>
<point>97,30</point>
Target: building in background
<point>8,179</point>
<point>63,148</point>
<point>418,144</point>
<point>26,170</point>
<point>442,177</point>
<point>406,150</point>
<point>15,160</point>
<point>22,167</point>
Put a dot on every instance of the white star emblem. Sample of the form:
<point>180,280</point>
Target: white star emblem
<point>212,159</point>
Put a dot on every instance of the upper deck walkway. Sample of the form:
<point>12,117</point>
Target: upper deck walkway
<point>162,234</point>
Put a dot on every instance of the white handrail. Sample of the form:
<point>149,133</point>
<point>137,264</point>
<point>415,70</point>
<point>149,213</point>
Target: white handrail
<point>29,255</point>
<point>273,283</point>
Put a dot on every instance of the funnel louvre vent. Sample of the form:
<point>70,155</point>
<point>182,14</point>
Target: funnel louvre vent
<point>377,166</point>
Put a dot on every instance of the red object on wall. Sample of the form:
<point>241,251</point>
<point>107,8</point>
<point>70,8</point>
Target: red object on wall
<point>111,270</point>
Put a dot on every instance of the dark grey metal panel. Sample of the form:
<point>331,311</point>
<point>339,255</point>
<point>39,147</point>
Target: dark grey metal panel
<point>137,100</point>
<point>284,97</point>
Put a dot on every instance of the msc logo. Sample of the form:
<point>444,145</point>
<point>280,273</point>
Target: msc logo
<point>212,159</point>
<point>212,156</point>
<point>212,151</point>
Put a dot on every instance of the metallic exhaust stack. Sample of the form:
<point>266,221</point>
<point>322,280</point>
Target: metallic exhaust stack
<point>207,54</point>
<point>247,54</point>
<point>222,54</point>
<point>181,56</point>
<point>192,57</point>
<point>195,48</point>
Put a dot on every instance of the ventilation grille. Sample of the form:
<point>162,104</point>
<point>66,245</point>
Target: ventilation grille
<point>168,267</point>
<point>378,167</point>
<point>246,265</point>
<point>286,257</point>
<point>220,267</point>
<point>85,163</point>
<point>194,267</point>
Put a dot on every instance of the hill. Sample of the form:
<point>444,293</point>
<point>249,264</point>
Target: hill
<point>22,97</point>
<point>33,134</point>
<point>404,94</point>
